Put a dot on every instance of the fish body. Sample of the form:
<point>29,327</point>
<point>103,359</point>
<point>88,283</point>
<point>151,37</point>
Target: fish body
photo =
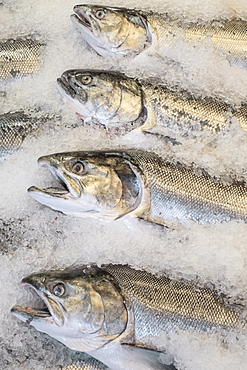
<point>14,128</point>
<point>120,31</point>
<point>116,100</point>
<point>141,184</point>
<point>109,311</point>
<point>93,364</point>
<point>19,57</point>
<point>89,364</point>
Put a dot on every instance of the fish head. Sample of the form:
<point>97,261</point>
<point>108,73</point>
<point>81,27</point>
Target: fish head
<point>94,183</point>
<point>111,31</point>
<point>84,308</point>
<point>107,97</point>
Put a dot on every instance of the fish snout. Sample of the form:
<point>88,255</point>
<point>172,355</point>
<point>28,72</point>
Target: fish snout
<point>79,9</point>
<point>44,161</point>
<point>35,281</point>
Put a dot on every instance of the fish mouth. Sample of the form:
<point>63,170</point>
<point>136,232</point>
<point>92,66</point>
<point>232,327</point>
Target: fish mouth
<point>50,313</point>
<point>90,30</point>
<point>82,18</point>
<point>70,94</point>
<point>70,186</point>
<point>32,314</point>
<point>65,87</point>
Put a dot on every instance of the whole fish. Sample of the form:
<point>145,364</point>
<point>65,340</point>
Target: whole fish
<point>116,100</point>
<point>142,184</point>
<point>19,57</point>
<point>113,31</point>
<point>109,311</point>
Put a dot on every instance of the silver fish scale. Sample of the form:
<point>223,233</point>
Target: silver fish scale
<point>19,57</point>
<point>241,115</point>
<point>230,37</point>
<point>177,192</point>
<point>89,364</point>
<point>187,112</point>
<point>161,304</point>
<point>14,128</point>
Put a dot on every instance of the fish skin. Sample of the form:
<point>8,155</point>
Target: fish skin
<point>14,128</point>
<point>136,31</point>
<point>93,364</point>
<point>115,305</point>
<point>115,100</point>
<point>179,299</point>
<point>89,364</point>
<point>19,57</point>
<point>141,184</point>
<point>241,115</point>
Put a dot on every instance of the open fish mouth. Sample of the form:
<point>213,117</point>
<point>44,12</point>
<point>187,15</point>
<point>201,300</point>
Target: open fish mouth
<point>49,312</point>
<point>65,87</point>
<point>31,311</point>
<point>91,30</point>
<point>28,314</point>
<point>70,186</point>
<point>82,18</point>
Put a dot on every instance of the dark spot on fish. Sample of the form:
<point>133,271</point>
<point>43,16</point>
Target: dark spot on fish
<point>14,73</point>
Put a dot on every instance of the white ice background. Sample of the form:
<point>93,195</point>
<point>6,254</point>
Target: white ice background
<point>35,238</point>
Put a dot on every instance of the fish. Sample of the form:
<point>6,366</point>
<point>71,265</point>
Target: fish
<point>89,364</point>
<point>93,364</point>
<point>15,127</point>
<point>138,183</point>
<point>119,31</point>
<point>19,57</point>
<point>114,312</point>
<point>115,100</point>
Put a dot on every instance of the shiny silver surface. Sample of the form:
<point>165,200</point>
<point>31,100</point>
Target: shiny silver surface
<point>19,57</point>
<point>118,101</point>
<point>113,31</point>
<point>90,309</point>
<point>14,128</point>
<point>142,184</point>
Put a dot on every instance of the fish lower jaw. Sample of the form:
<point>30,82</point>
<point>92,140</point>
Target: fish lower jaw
<point>58,200</point>
<point>29,313</point>
<point>62,201</point>
<point>49,192</point>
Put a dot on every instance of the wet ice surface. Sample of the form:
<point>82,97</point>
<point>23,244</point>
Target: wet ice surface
<point>35,238</point>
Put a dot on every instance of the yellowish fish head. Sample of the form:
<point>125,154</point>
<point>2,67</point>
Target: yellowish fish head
<point>93,183</point>
<point>84,308</point>
<point>112,31</point>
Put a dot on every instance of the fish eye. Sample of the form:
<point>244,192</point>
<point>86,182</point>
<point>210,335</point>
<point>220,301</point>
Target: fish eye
<point>86,79</point>
<point>58,289</point>
<point>100,13</point>
<point>78,168</point>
